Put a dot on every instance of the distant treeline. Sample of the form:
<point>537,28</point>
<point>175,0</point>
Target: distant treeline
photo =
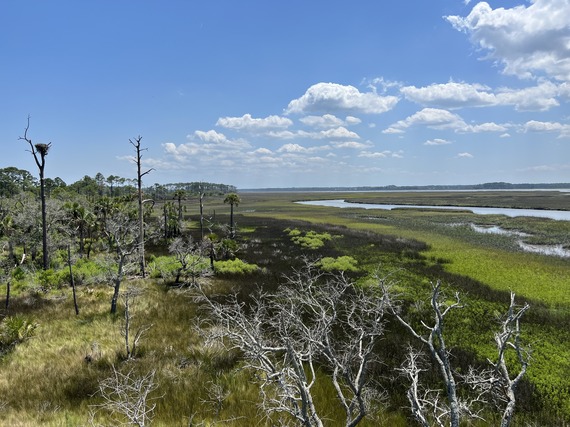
<point>486,186</point>
<point>14,181</point>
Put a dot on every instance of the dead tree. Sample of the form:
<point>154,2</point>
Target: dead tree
<point>494,383</point>
<point>121,229</point>
<point>190,256</point>
<point>131,348</point>
<point>419,399</point>
<point>435,342</point>
<point>72,280</point>
<point>40,151</point>
<point>126,396</point>
<point>509,339</point>
<point>312,317</point>
<point>138,160</point>
<point>202,194</point>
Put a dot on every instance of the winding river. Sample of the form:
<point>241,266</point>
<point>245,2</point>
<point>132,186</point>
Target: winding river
<point>552,250</point>
<point>542,213</point>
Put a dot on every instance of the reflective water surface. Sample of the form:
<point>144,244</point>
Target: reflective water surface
<point>542,213</point>
<point>552,250</point>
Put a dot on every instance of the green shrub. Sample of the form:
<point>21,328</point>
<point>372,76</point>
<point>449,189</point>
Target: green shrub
<point>234,266</point>
<point>228,248</point>
<point>311,240</point>
<point>84,271</point>
<point>14,330</point>
<point>163,267</point>
<point>48,278</point>
<point>342,263</point>
<point>18,273</point>
<point>293,232</point>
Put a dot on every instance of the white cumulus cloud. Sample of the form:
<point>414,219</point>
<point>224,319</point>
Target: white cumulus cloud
<point>249,123</point>
<point>263,150</point>
<point>435,118</point>
<point>528,40</point>
<point>211,136</point>
<point>437,141</point>
<point>328,121</point>
<point>432,117</point>
<point>351,144</point>
<point>330,97</point>
<point>484,127</point>
<point>450,95</point>
<point>335,133</point>
<point>537,126</point>
<point>540,97</point>
<point>381,154</point>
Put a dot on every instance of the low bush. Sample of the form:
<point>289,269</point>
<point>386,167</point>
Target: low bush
<point>162,267</point>
<point>234,266</point>
<point>14,330</point>
<point>84,271</point>
<point>48,278</point>
<point>341,263</point>
<point>308,240</point>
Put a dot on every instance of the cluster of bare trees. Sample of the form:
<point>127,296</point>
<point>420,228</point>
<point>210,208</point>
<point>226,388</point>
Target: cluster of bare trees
<point>322,325</point>
<point>496,384</point>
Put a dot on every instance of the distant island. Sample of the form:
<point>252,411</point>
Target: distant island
<point>486,186</point>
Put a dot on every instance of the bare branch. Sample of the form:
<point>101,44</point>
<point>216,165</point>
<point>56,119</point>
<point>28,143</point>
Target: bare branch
<point>436,344</point>
<point>127,397</point>
<point>312,316</point>
<point>509,338</point>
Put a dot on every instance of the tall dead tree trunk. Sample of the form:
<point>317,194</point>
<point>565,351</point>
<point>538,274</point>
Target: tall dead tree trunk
<point>117,283</point>
<point>201,215</point>
<point>8,284</point>
<point>72,281</point>
<point>40,151</point>
<point>138,160</point>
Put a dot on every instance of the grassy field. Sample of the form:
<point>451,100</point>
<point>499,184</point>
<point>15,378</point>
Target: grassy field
<point>492,259</point>
<point>498,199</point>
<point>52,378</point>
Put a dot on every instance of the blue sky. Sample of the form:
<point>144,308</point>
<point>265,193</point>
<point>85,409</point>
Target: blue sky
<point>290,94</point>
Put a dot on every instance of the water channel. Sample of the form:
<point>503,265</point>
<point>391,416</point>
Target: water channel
<point>542,213</point>
<point>552,250</point>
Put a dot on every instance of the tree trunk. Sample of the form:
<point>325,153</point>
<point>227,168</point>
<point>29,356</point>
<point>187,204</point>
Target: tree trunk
<point>137,144</point>
<point>127,324</point>
<point>72,281</point>
<point>8,294</point>
<point>81,239</point>
<point>509,410</point>
<point>201,216</point>
<point>11,253</point>
<point>232,230</point>
<point>44,221</point>
<point>141,232</point>
<point>180,211</point>
<point>118,281</point>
